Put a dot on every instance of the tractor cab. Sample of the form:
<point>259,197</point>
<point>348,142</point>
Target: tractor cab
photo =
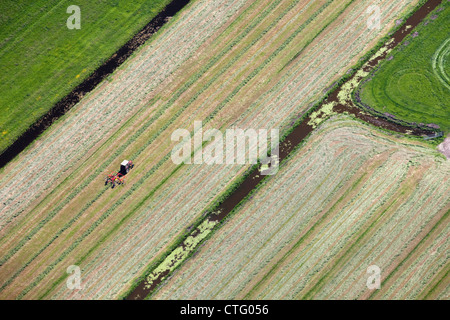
<point>125,167</point>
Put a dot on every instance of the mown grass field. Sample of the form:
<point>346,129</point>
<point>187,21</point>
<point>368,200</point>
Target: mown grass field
<point>257,64</point>
<point>42,60</point>
<point>312,230</point>
<point>415,85</point>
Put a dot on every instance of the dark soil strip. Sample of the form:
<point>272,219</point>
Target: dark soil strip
<point>108,67</point>
<point>295,138</point>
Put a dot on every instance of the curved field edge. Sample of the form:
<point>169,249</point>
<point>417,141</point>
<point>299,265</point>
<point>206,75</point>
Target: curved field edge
<point>372,94</point>
<point>195,270</point>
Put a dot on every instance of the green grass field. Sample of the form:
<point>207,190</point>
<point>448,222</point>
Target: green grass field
<point>415,85</point>
<point>41,60</point>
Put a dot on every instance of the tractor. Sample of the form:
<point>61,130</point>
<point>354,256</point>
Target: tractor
<point>125,167</point>
<point>118,178</point>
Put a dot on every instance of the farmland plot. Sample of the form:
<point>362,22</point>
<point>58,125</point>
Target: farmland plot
<point>412,84</point>
<point>207,64</point>
<point>42,60</point>
<point>312,230</point>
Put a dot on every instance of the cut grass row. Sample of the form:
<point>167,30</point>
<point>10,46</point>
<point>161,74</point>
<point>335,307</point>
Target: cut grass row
<point>422,248</point>
<point>335,274</point>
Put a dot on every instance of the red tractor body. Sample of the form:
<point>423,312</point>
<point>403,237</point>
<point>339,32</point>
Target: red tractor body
<point>118,178</point>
